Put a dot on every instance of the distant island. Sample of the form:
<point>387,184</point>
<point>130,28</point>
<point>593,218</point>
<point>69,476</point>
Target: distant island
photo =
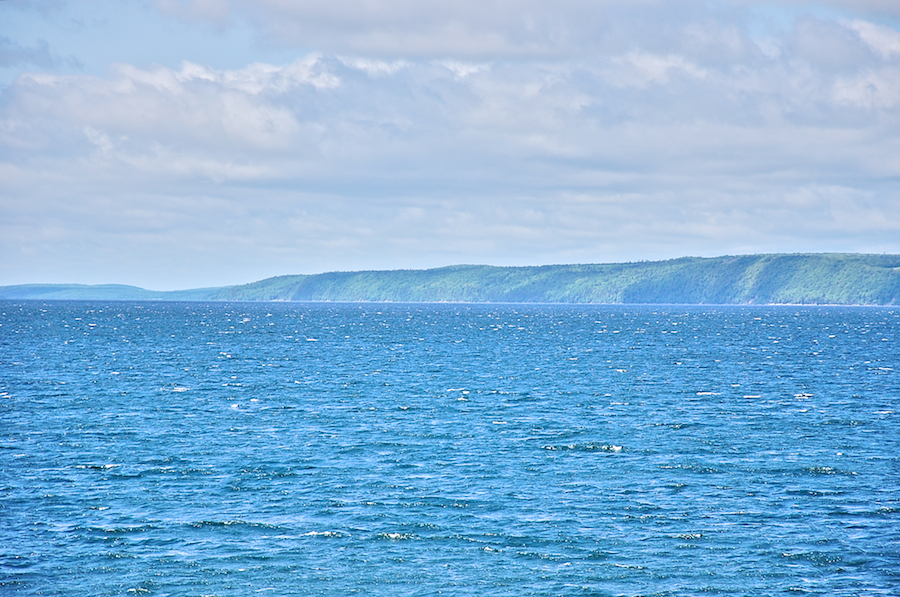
<point>807,279</point>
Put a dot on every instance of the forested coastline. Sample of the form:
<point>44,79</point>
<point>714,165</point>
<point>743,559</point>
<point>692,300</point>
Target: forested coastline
<point>818,278</point>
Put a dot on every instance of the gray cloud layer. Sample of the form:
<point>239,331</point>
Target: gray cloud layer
<point>418,134</point>
<point>492,29</point>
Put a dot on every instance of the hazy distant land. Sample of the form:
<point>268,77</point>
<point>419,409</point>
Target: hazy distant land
<point>826,278</point>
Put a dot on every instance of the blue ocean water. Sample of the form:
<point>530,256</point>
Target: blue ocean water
<point>372,449</point>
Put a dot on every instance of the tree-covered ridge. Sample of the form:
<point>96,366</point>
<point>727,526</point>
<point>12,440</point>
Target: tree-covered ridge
<point>831,278</point>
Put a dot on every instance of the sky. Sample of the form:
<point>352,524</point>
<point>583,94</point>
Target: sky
<point>190,143</point>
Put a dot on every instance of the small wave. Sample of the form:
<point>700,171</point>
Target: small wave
<point>536,555</point>
<point>816,557</point>
<point>707,470</point>
<point>161,470</point>
<point>689,536</point>
<point>844,422</point>
<point>123,530</point>
<point>327,534</point>
<point>437,502</point>
<point>228,523</point>
<point>813,492</point>
<point>674,425</point>
<point>599,554</point>
<point>587,447</point>
<point>395,536</point>
<point>827,470</point>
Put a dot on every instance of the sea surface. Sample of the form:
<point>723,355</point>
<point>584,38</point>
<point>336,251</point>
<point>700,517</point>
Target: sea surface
<point>239,449</point>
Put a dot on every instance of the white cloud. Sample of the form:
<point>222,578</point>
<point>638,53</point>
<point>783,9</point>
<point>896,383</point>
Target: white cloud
<point>884,40</point>
<point>497,29</point>
<point>415,134</point>
<point>374,68</point>
<point>194,108</point>
<point>640,69</point>
<point>463,69</point>
<point>457,29</point>
<point>873,89</point>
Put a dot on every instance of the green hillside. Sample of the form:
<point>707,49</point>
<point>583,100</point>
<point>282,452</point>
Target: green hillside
<point>832,278</point>
<point>112,292</point>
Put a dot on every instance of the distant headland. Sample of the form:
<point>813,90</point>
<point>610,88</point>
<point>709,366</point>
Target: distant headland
<point>809,278</point>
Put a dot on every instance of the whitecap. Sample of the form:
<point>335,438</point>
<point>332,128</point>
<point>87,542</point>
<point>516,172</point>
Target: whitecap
<point>394,536</point>
<point>323,534</point>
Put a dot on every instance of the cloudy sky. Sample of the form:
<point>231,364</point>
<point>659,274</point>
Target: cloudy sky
<point>185,143</point>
